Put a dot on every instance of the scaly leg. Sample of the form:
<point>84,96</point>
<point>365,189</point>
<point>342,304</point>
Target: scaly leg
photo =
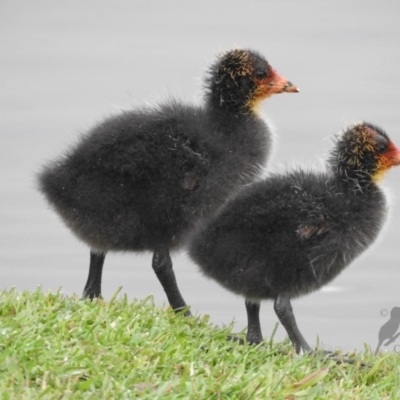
<point>93,285</point>
<point>254,335</point>
<point>162,266</point>
<point>284,311</point>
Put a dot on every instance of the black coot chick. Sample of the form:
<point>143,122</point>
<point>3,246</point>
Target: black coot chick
<point>139,180</point>
<point>292,233</point>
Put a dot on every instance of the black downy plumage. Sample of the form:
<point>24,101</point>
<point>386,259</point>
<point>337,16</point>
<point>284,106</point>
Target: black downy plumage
<point>140,180</point>
<point>292,233</point>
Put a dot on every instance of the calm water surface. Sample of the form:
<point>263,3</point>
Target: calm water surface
<point>66,65</point>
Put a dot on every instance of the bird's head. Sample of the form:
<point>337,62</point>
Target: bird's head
<point>364,152</point>
<point>240,79</point>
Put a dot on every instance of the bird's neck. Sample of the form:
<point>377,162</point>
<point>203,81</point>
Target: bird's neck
<point>218,105</point>
<point>357,182</point>
<point>236,131</point>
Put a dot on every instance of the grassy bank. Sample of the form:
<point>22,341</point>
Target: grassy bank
<point>56,347</point>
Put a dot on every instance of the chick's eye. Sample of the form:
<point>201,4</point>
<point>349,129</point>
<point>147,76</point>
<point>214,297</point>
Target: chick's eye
<point>382,147</point>
<point>260,74</point>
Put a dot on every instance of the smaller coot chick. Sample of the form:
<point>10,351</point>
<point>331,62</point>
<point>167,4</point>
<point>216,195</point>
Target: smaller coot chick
<point>139,180</point>
<point>292,233</point>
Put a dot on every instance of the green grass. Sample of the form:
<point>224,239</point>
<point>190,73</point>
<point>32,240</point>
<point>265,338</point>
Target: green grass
<point>56,347</point>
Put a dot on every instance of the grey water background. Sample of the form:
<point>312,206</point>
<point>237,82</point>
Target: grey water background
<point>65,65</point>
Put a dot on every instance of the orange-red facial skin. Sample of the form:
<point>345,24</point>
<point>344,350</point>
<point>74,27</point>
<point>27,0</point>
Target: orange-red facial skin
<point>387,160</point>
<point>392,156</point>
<point>273,83</point>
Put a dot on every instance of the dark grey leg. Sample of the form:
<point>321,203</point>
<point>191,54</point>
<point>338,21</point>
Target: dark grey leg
<point>284,311</point>
<point>162,266</point>
<point>254,335</point>
<point>93,285</point>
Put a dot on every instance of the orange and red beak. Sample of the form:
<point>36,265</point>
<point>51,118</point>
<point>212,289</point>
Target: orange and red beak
<point>279,84</point>
<point>274,84</point>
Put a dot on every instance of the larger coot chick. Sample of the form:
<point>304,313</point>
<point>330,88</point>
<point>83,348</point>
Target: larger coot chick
<point>292,233</point>
<point>141,179</point>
